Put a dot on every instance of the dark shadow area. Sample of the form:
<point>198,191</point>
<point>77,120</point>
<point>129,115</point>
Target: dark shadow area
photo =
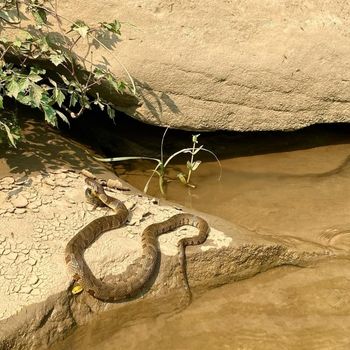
<point>43,148</point>
<point>126,136</point>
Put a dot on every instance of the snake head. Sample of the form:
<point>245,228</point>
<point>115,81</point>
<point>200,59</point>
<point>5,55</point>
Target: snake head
<point>92,198</point>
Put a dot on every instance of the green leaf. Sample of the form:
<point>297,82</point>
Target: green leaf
<point>63,117</point>
<point>12,137</point>
<point>57,59</point>
<point>1,102</point>
<point>119,86</point>
<point>24,99</point>
<point>110,112</point>
<point>40,16</point>
<point>73,99</point>
<point>113,27</point>
<point>64,79</point>
<point>34,77</point>
<point>50,114</point>
<point>59,97</point>
<point>195,138</point>
<point>53,82</point>
<point>37,70</point>
<point>23,84</point>
<point>99,73</point>
<point>13,88</point>
<point>36,94</point>
<point>17,43</point>
<point>182,178</point>
<point>81,28</point>
<point>98,102</point>
<point>196,164</point>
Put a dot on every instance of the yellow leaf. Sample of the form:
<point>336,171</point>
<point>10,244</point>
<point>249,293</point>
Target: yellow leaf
<point>77,289</point>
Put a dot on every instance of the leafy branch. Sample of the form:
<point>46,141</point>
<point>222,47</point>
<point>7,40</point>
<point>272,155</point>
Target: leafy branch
<point>67,88</point>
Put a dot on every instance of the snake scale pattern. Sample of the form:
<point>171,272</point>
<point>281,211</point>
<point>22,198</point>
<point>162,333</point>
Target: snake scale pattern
<point>132,280</point>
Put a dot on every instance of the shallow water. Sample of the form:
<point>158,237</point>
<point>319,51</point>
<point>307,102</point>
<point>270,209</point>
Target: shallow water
<point>300,193</point>
<point>296,191</point>
<point>284,308</point>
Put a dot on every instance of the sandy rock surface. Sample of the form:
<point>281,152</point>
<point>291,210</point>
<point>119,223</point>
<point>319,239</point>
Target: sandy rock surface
<point>236,65</point>
<point>39,216</point>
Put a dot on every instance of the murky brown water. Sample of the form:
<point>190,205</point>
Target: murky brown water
<point>302,193</point>
<point>284,308</point>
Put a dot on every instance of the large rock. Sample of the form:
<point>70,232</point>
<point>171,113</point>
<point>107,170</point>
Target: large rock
<point>236,65</point>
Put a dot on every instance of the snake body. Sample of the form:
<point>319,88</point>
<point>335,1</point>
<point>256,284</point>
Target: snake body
<point>132,280</point>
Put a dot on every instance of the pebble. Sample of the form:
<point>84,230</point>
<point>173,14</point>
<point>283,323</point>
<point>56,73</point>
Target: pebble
<point>11,276</point>
<point>50,182</point>
<point>19,202</point>
<point>20,211</point>
<point>73,175</point>
<point>35,204</point>
<point>59,171</point>
<point>12,256</point>
<point>21,259</point>
<point>8,180</point>
<point>47,200</point>
<point>33,279</point>
<point>61,176</point>
<point>32,261</point>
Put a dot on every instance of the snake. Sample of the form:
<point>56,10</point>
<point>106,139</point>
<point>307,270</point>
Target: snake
<point>132,281</point>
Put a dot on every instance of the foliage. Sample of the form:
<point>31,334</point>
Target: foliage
<point>9,129</point>
<point>162,163</point>
<point>27,62</point>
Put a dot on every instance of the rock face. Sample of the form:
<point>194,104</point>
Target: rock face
<point>231,64</point>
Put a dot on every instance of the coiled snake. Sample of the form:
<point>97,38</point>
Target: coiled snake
<point>131,281</point>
